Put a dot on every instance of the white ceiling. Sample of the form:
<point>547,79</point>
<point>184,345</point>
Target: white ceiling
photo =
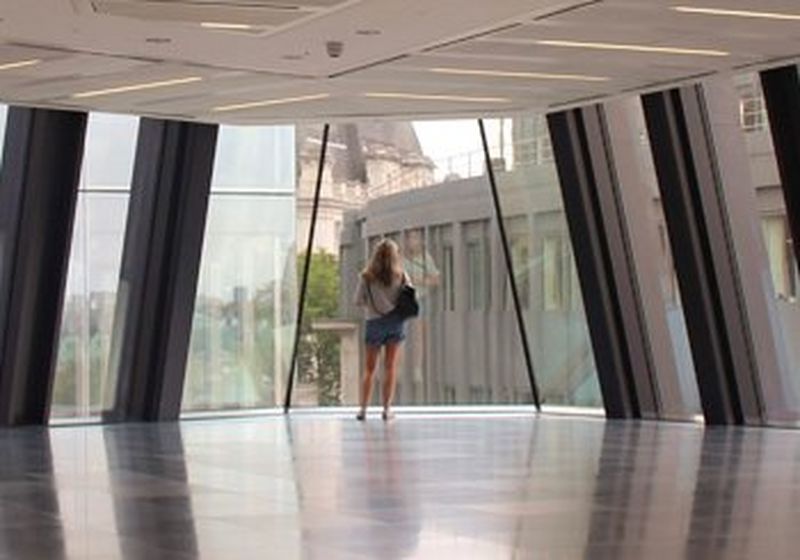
<point>390,47</point>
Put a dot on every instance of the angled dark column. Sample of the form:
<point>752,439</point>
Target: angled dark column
<point>590,190</point>
<point>38,192</point>
<point>512,283</point>
<point>690,176</point>
<point>160,264</point>
<point>301,302</point>
<point>782,95</point>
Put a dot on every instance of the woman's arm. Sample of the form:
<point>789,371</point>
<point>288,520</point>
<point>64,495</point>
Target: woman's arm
<point>360,297</point>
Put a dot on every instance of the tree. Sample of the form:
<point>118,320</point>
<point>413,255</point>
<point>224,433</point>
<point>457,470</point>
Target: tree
<point>318,358</point>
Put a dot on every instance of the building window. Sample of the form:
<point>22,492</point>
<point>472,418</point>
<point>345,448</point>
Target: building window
<point>552,273</point>
<point>781,256</point>
<point>522,397</point>
<point>520,256</point>
<point>752,112</point>
<point>478,275</point>
<point>449,292</point>
<point>544,150</point>
<point>576,303</point>
<point>477,394</point>
<point>669,277</point>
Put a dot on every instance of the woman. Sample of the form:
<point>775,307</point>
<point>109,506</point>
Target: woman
<point>378,289</point>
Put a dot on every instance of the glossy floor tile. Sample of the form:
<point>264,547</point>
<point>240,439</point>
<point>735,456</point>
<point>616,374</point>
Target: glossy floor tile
<point>439,486</point>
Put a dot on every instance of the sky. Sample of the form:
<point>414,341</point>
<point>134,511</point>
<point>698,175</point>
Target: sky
<point>457,143</point>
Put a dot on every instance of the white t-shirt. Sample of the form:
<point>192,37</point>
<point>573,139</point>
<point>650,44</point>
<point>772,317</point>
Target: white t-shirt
<point>383,299</point>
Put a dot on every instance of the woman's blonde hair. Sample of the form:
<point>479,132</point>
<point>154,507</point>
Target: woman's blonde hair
<point>385,264</point>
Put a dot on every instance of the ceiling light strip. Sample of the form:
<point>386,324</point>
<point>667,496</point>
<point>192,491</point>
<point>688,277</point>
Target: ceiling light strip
<point>632,48</point>
<point>426,97</point>
<point>136,87</point>
<point>226,26</point>
<point>269,102</point>
<point>524,75</point>
<point>736,13</point>
<point>20,64</point>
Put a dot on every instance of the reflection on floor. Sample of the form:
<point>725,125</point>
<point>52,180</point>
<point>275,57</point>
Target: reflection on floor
<point>325,486</point>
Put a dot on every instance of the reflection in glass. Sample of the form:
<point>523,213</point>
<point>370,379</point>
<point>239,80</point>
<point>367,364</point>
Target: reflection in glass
<point>544,266</point>
<point>244,315</point>
<point>93,277</point>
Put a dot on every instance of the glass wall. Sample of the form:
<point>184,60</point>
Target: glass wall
<point>3,116</point>
<point>543,261</point>
<point>778,261</point>
<point>649,236</point>
<point>244,317</point>
<point>423,185</point>
<point>96,254</point>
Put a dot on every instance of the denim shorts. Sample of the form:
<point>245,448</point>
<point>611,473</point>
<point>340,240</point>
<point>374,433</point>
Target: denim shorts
<point>384,330</point>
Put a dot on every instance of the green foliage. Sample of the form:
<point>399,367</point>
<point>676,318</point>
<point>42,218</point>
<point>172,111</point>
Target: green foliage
<point>318,359</point>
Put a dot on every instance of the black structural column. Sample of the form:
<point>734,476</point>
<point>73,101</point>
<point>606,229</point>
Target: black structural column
<point>160,264</point>
<point>782,95</point>
<point>38,192</point>
<point>693,200</point>
<point>590,188</point>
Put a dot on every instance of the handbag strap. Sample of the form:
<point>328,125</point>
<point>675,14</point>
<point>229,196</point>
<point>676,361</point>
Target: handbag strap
<point>403,283</point>
<point>372,301</point>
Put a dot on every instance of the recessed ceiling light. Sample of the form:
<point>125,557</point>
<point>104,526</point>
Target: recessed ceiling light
<point>269,102</point>
<point>225,25</point>
<point>20,64</point>
<point>737,13</point>
<point>136,87</point>
<point>427,97</point>
<point>526,75</point>
<point>633,48</point>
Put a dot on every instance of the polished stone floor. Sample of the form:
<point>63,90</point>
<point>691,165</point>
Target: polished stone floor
<point>436,486</point>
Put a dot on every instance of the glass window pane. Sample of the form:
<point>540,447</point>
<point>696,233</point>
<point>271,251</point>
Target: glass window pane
<point>669,295</point>
<point>556,327</point>
<point>3,117</point>
<point>779,256</point>
<point>96,254</point>
<point>423,185</point>
<point>257,158</point>
<point>244,317</point>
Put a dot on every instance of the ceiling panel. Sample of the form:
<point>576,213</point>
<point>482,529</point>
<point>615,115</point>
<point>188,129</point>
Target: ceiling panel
<point>388,47</point>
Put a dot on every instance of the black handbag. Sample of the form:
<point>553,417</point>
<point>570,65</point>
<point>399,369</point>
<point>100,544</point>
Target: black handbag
<point>407,305</point>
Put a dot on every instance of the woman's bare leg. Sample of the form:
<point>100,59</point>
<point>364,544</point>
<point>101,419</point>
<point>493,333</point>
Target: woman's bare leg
<point>371,362</point>
<point>392,353</point>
